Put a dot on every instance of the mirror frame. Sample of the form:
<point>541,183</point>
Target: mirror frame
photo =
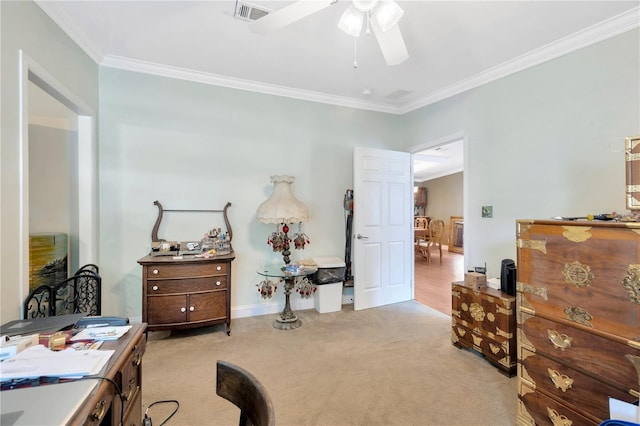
<point>632,165</point>
<point>452,248</point>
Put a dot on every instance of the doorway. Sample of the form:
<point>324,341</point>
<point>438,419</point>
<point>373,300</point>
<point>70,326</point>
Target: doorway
<point>439,175</point>
<point>49,112</point>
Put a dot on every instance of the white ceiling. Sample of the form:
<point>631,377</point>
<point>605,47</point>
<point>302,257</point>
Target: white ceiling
<point>453,45</point>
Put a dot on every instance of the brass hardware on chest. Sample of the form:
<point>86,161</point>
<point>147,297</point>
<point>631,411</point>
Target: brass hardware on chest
<point>577,274</point>
<point>559,341</point>
<point>476,312</point>
<point>494,348</point>
<point>577,234</point>
<point>540,245</point>
<point>561,381</point>
<point>632,283</point>
<point>491,317</point>
<point>578,315</point>
<point>531,289</point>
<point>557,419</point>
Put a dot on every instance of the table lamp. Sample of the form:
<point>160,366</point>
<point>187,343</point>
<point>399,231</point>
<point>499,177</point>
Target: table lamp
<point>283,209</point>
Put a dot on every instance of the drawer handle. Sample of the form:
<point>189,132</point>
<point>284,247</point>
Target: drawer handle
<point>218,268</point>
<point>562,381</point>
<point>559,341</point>
<point>100,411</point>
<point>155,272</point>
<point>183,309</point>
<point>137,360</point>
<point>130,389</point>
<point>557,419</point>
<point>191,309</point>
<point>218,282</point>
<point>155,288</point>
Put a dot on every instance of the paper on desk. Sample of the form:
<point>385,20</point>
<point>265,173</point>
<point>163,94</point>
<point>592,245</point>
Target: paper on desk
<point>102,333</point>
<point>39,361</point>
<point>620,410</point>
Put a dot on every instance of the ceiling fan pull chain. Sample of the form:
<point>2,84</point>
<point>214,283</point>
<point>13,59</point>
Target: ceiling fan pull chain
<point>368,29</point>
<point>355,52</point>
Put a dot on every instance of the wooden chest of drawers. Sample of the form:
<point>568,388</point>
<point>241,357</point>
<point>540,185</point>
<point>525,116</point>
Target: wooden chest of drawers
<point>484,320</point>
<point>186,293</point>
<point>578,315</point>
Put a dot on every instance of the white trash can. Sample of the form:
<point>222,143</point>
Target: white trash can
<point>328,280</point>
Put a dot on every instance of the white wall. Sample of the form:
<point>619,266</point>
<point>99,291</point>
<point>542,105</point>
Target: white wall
<point>194,146</point>
<point>538,142</point>
<point>24,26</point>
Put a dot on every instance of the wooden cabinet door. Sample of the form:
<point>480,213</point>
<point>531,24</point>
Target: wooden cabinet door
<point>207,306</point>
<point>167,309</point>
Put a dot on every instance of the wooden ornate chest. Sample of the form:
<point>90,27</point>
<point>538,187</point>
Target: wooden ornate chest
<point>484,320</point>
<point>578,316</point>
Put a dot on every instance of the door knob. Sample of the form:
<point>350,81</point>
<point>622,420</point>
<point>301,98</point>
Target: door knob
<point>362,237</point>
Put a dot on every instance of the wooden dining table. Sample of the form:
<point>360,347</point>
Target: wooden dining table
<point>420,233</point>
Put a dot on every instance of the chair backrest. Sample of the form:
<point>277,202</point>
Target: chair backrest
<point>80,293</point>
<point>421,222</point>
<point>436,230</point>
<point>237,385</point>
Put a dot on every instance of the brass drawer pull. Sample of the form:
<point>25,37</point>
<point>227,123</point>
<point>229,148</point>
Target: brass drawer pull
<point>561,381</point>
<point>137,359</point>
<point>130,388</point>
<point>557,419</point>
<point>559,341</point>
<point>100,411</point>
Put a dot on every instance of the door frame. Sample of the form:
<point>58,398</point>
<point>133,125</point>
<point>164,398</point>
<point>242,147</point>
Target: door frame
<point>444,140</point>
<point>86,167</point>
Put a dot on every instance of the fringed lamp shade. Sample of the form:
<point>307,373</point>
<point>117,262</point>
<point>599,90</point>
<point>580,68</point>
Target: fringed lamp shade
<point>282,206</point>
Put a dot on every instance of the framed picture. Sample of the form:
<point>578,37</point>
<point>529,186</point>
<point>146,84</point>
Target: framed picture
<point>632,162</point>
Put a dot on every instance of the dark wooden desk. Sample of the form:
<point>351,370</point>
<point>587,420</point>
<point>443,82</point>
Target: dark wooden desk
<point>89,401</point>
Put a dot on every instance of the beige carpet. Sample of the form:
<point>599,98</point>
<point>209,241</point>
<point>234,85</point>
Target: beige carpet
<point>393,365</point>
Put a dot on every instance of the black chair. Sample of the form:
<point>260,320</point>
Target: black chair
<point>80,293</point>
<point>247,393</point>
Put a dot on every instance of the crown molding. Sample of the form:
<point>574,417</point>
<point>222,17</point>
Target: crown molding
<point>611,27</point>
<point>604,30</point>
<point>135,65</point>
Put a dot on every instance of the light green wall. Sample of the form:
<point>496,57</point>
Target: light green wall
<point>195,146</point>
<point>538,145</point>
<point>25,26</point>
<point>543,142</point>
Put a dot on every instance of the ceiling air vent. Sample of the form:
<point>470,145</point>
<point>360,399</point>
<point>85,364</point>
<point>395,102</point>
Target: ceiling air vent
<point>249,12</point>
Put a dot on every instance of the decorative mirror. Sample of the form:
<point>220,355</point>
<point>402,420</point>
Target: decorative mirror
<point>456,234</point>
<point>632,157</point>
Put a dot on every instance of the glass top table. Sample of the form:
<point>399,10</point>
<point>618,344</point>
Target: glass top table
<point>287,319</point>
<point>276,271</point>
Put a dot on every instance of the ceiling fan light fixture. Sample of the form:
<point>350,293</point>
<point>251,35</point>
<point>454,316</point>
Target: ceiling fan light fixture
<point>351,21</point>
<point>387,14</point>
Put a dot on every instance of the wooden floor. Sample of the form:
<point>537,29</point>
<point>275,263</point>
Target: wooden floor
<point>433,281</point>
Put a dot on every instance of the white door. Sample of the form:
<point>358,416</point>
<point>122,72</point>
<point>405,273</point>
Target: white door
<point>382,227</point>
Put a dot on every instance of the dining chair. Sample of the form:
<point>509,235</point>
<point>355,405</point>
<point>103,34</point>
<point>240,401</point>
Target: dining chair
<point>436,232</point>
<point>237,385</point>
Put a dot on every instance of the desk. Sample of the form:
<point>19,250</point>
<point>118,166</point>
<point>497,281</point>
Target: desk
<point>287,320</point>
<point>85,402</point>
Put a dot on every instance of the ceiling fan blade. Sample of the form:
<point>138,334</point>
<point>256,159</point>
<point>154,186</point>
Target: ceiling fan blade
<point>391,43</point>
<point>287,15</point>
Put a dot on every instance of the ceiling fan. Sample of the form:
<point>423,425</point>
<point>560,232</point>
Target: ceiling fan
<point>381,15</point>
